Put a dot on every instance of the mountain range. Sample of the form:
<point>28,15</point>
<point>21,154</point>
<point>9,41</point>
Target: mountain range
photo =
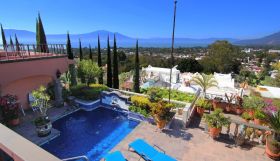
<point>28,37</point>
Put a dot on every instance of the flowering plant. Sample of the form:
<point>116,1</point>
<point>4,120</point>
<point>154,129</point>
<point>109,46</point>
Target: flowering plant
<point>9,107</point>
<point>269,108</point>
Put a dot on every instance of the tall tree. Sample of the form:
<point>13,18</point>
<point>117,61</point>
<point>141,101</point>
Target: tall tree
<point>136,76</point>
<point>72,69</point>
<point>90,53</point>
<point>17,44</point>
<point>81,50</point>
<point>109,67</point>
<point>115,65</point>
<point>4,42</point>
<point>41,36</point>
<point>99,61</point>
<point>69,47</point>
<point>11,43</point>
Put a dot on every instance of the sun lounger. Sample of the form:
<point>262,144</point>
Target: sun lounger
<point>148,152</point>
<point>115,156</point>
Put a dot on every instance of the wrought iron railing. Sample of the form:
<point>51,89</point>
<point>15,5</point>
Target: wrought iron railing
<point>27,51</point>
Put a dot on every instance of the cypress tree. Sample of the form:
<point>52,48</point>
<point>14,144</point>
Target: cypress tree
<point>17,44</point>
<point>99,61</point>
<point>37,36</point>
<point>90,53</point>
<point>109,68</point>
<point>136,76</point>
<point>81,50</point>
<point>4,42</point>
<point>72,69</point>
<point>12,44</point>
<point>41,36</point>
<point>69,48</point>
<point>115,66</point>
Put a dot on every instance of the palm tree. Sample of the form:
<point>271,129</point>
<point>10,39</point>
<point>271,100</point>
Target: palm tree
<point>205,81</point>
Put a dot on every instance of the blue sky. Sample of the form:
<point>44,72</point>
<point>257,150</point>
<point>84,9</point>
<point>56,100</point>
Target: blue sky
<point>147,18</point>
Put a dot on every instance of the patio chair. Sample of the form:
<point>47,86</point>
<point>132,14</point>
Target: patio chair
<point>115,156</point>
<point>148,152</point>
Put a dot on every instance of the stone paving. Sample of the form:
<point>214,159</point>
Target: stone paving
<point>191,144</point>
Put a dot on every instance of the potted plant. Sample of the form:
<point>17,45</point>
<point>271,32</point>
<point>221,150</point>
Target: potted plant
<point>253,103</point>
<point>217,103</point>
<point>216,121</point>
<point>229,101</point>
<point>246,117</point>
<point>161,112</point>
<point>10,109</point>
<point>201,105</point>
<point>239,102</point>
<point>42,122</point>
<point>273,140</point>
<point>259,117</point>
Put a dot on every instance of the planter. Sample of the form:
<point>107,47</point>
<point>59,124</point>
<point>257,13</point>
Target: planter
<point>161,124</point>
<point>228,108</point>
<point>272,151</point>
<point>238,111</point>
<point>258,121</point>
<point>44,127</point>
<point>214,132</point>
<point>200,111</point>
<point>14,122</point>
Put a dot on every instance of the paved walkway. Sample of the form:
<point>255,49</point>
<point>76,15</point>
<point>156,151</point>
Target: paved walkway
<point>191,144</point>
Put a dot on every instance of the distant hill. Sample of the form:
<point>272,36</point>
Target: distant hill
<point>28,37</point>
<point>273,40</point>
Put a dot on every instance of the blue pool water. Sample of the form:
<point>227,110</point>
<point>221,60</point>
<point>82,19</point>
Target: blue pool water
<point>92,133</point>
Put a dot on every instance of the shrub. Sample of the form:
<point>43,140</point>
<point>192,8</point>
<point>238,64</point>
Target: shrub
<point>203,103</point>
<point>162,110</point>
<point>216,119</point>
<point>85,92</point>
<point>175,94</point>
<point>253,102</point>
<point>259,115</point>
<point>141,101</point>
<point>246,116</point>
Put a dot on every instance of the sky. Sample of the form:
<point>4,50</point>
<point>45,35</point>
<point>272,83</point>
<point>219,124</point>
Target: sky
<point>147,18</point>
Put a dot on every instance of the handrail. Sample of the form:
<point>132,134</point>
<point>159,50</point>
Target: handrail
<point>77,157</point>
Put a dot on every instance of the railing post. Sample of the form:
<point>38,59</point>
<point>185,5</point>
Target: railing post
<point>28,50</point>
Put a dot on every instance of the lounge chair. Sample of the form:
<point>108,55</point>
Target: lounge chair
<point>115,156</point>
<point>148,152</point>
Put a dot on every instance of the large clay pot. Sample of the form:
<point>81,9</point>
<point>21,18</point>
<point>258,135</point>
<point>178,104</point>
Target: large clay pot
<point>200,111</point>
<point>271,150</point>
<point>14,122</point>
<point>258,121</point>
<point>228,108</point>
<point>161,124</point>
<point>214,132</point>
<point>238,110</point>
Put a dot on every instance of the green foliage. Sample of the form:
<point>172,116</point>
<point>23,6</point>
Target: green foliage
<point>175,94</point>
<point>136,76</point>
<point>216,119</point>
<point>205,81</point>
<point>115,66</point>
<point>73,74</point>
<point>246,116</point>
<point>41,36</point>
<point>90,93</point>
<point>253,102</point>
<point>42,99</point>
<point>189,65</point>
<point>142,111</point>
<point>222,57</point>
<point>90,53</point>
<point>274,122</point>
<point>81,50</point>
<point>99,61</point>
<point>109,67</point>
<point>140,101</point>
<point>88,69</point>
<point>259,114</point>
<point>4,42</point>
<point>69,48</point>
<point>201,102</point>
<point>162,110</point>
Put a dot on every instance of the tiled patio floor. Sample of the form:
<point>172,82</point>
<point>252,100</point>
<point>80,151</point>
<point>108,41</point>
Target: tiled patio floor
<point>191,144</point>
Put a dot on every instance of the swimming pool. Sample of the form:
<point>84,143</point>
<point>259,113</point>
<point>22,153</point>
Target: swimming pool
<point>92,133</point>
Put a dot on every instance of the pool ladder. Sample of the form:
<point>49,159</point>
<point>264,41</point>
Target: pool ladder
<point>77,157</point>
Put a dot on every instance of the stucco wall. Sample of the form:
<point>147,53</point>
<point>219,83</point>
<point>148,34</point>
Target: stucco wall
<point>20,78</point>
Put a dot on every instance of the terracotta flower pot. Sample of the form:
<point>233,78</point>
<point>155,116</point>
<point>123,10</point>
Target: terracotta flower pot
<point>228,109</point>
<point>214,132</point>
<point>251,113</point>
<point>200,111</point>
<point>238,111</point>
<point>14,122</point>
<point>258,121</point>
<point>161,124</point>
<point>271,150</point>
